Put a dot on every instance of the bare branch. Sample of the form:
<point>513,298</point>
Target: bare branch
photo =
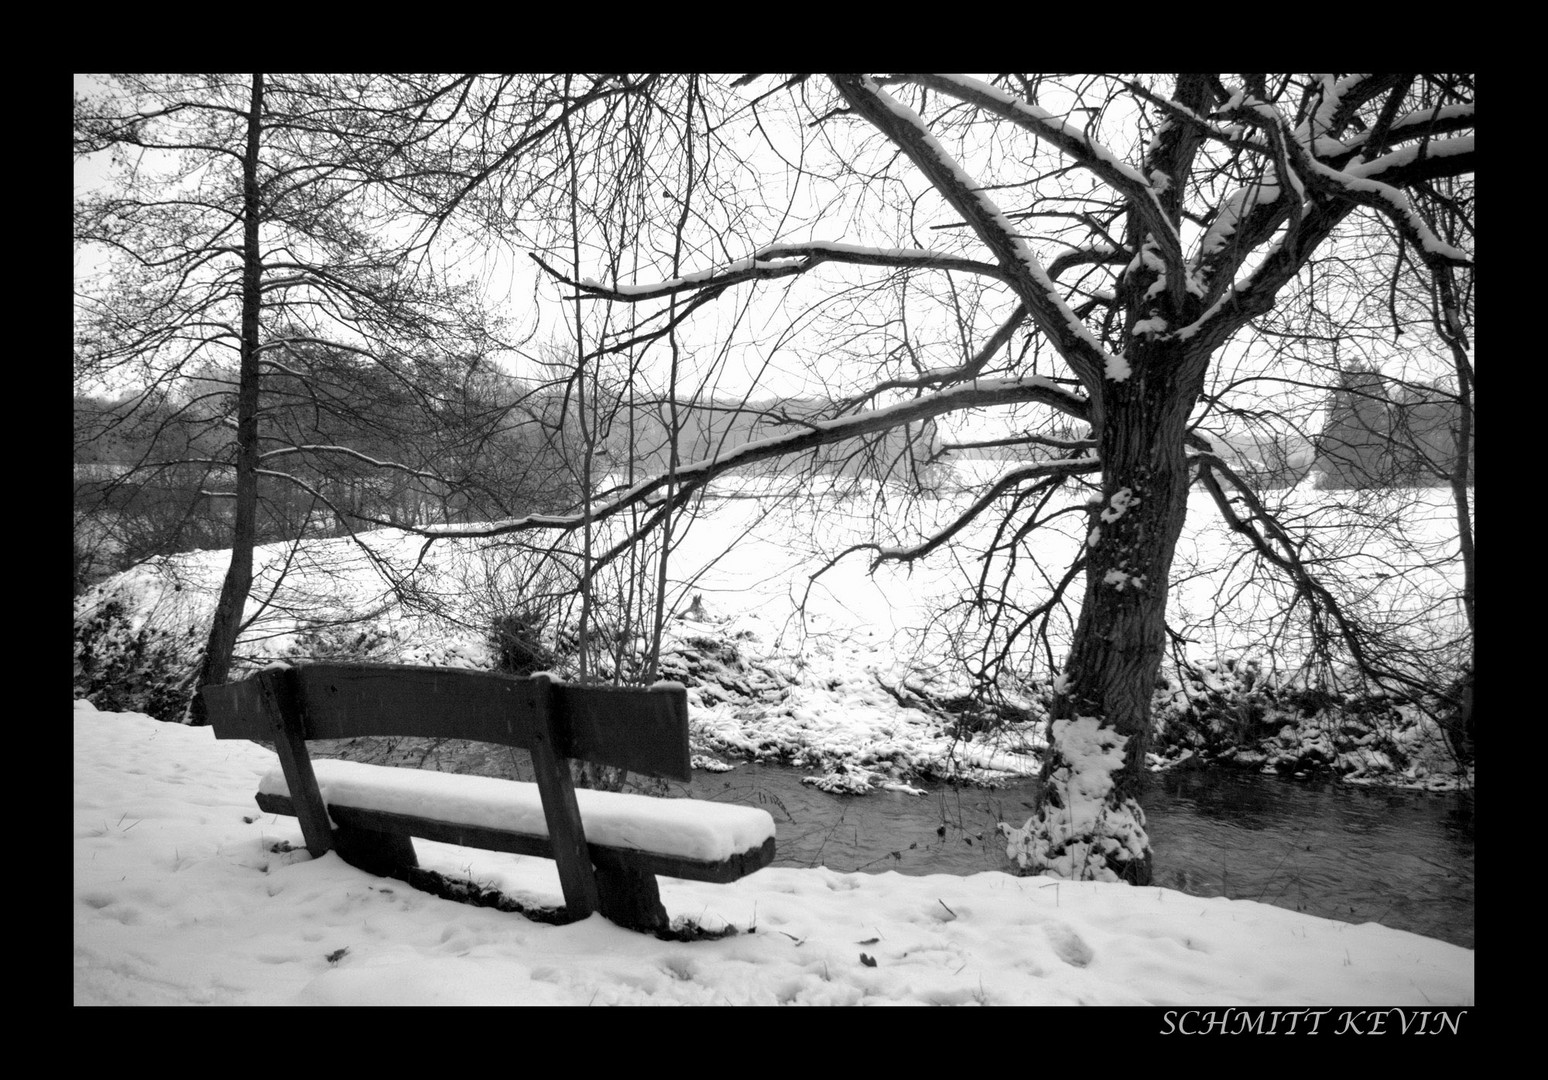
<point>979,395</point>
<point>1033,286</point>
<point>1101,161</point>
<point>1054,472</point>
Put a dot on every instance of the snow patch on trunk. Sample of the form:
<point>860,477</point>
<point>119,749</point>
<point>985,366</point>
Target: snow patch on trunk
<point>1082,836</point>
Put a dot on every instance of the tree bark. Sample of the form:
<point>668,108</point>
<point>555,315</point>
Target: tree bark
<point>1088,823</point>
<point>215,667</point>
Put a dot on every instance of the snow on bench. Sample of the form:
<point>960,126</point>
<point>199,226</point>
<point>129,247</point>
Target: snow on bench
<point>683,828</point>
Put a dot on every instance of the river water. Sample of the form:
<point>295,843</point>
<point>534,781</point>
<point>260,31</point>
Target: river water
<point>1353,853</point>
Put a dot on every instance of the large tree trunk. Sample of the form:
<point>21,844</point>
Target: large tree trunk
<point>216,664</point>
<point>1088,823</point>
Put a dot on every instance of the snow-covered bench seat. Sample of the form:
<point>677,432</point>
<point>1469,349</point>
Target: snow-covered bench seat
<point>686,838</point>
<point>609,846</point>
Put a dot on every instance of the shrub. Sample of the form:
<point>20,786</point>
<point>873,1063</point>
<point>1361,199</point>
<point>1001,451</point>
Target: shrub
<point>339,641</point>
<point>518,643</point>
<point>119,668</point>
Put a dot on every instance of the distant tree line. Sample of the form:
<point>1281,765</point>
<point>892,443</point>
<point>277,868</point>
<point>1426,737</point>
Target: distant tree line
<point>344,444</point>
<point>347,444</point>
<point>1385,432</point>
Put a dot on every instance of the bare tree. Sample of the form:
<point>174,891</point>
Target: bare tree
<point>1055,250</point>
<point>249,219</point>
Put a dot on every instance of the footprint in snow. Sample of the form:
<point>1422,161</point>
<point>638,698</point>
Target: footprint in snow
<point>1067,945</point>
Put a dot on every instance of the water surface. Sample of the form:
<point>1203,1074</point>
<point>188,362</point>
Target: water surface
<point>1353,853</point>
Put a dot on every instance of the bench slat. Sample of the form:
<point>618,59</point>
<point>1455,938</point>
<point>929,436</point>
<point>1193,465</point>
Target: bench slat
<point>567,835</point>
<point>720,871</point>
<point>640,730</point>
<point>643,730</point>
<point>277,694</point>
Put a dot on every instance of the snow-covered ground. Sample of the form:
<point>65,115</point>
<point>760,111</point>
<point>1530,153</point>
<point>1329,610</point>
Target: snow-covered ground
<point>184,893</point>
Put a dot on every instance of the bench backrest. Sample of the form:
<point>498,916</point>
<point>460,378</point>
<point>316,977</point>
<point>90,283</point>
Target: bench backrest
<point>642,730</point>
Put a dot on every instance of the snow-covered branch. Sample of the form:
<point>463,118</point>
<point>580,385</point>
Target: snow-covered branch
<point>1252,214</point>
<point>345,451</point>
<point>1422,124</point>
<point>1237,302</point>
<point>1064,329</point>
<point>1358,184</point>
<point>1097,254</point>
<point>1342,98</point>
<point>1078,145</point>
<point>776,261</point>
<point>1235,136</point>
<point>826,251</point>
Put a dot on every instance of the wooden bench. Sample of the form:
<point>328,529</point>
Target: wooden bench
<point>608,846</point>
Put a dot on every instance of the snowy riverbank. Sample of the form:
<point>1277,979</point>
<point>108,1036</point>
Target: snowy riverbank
<point>185,894</point>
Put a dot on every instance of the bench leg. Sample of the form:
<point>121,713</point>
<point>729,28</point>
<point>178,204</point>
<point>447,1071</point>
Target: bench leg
<point>387,854</point>
<point>627,896</point>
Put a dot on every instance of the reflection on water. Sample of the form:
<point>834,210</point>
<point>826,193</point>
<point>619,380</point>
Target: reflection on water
<point>1356,854</point>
